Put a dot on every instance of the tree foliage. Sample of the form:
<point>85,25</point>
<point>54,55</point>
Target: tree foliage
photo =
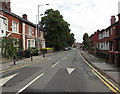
<point>9,46</point>
<point>57,32</point>
<point>86,40</point>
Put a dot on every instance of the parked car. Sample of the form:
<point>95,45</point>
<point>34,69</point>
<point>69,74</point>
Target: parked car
<point>65,49</point>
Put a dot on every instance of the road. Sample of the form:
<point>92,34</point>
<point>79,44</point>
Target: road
<point>64,71</point>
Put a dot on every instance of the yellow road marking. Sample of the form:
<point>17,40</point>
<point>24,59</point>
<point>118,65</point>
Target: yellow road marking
<point>111,88</point>
<point>20,66</point>
<point>100,74</point>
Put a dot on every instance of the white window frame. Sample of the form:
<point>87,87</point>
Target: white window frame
<point>107,45</point>
<point>107,33</point>
<point>4,26</point>
<point>30,43</point>
<point>0,24</point>
<point>30,30</point>
<point>111,30</point>
<point>15,27</point>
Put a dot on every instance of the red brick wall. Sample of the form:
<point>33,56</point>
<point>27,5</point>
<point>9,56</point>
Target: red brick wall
<point>94,38</point>
<point>10,19</point>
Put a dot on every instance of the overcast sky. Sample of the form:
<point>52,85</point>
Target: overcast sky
<point>84,16</point>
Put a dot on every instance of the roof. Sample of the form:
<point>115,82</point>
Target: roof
<point>18,17</point>
<point>112,25</point>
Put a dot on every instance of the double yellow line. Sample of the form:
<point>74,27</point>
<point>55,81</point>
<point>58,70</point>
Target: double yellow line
<point>101,77</point>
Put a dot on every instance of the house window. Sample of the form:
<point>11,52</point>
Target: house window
<point>107,46</point>
<point>104,33</point>
<point>41,34</point>
<point>0,24</point>
<point>30,30</point>
<point>102,45</point>
<point>15,27</point>
<point>2,31</point>
<point>100,36</point>
<point>5,21</point>
<point>111,31</point>
<point>28,43</point>
<point>107,33</point>
<point>31,43</point>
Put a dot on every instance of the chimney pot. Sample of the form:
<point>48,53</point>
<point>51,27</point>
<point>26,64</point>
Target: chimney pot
<point>25,16</point>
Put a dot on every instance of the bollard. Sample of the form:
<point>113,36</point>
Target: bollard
<point>31,57</point>
<point>43,55</point>
<point>14,58</point>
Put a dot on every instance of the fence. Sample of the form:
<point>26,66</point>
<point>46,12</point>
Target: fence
<point>100,54</point>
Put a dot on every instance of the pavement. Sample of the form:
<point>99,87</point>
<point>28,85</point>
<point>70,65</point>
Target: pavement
<point>24,61</point>
<point>109,69</point>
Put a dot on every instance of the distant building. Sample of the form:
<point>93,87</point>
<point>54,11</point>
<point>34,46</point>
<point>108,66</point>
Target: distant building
<point>78,45</point>
<point>94,39</point>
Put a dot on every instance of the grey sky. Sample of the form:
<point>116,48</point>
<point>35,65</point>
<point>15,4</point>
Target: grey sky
<point>84,16</point>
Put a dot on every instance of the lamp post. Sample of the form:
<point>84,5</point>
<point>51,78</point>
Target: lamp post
<point>38,23</point>
<point>38,11</point>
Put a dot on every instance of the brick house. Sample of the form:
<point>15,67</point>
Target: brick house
<point>94,39</point>
<point>12,25</point>
<point>109,40</point>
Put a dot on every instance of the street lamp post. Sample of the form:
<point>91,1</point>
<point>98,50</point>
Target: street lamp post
<point>38,23</point>
<point>38,12</point>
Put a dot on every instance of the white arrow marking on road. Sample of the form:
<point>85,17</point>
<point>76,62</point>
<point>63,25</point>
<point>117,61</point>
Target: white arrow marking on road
<point>70,70</point>
<point>4,80</point>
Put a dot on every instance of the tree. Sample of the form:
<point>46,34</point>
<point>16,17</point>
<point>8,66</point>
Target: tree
<point>57,32</point>
<point>86,40</point>
<point>10,46</point>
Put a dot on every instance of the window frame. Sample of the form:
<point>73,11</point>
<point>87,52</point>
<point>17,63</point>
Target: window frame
<point>15,27</point>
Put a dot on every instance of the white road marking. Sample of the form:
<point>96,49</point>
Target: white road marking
<point>30,83</point>
<point>64,58</point>
<point>4,80</point>
<point>55,64</point>
<point>70,70</point>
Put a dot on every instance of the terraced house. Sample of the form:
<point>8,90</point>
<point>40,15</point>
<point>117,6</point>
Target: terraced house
<point>12,25</point>
<point>108,40</point>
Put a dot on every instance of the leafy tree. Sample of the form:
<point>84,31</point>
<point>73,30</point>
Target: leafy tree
<point>57,32</point>
<point>10,46</point>
<point>86,40</point>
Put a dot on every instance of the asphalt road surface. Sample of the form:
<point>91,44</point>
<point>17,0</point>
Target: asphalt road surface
<point>63,71</point>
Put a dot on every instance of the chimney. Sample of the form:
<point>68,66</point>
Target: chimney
<point>24,16</point>
<point>5,4</point>
<point>118,17</point>
<point>113,20</point>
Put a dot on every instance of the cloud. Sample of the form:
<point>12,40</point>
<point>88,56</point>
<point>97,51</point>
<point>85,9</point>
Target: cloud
<point>84,16</point>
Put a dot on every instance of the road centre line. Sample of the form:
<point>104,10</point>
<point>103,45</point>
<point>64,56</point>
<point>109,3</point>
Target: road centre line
<point>64,58</point>
<point>105,79</point>
<point>55,64</point>
<point>30,83</point>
